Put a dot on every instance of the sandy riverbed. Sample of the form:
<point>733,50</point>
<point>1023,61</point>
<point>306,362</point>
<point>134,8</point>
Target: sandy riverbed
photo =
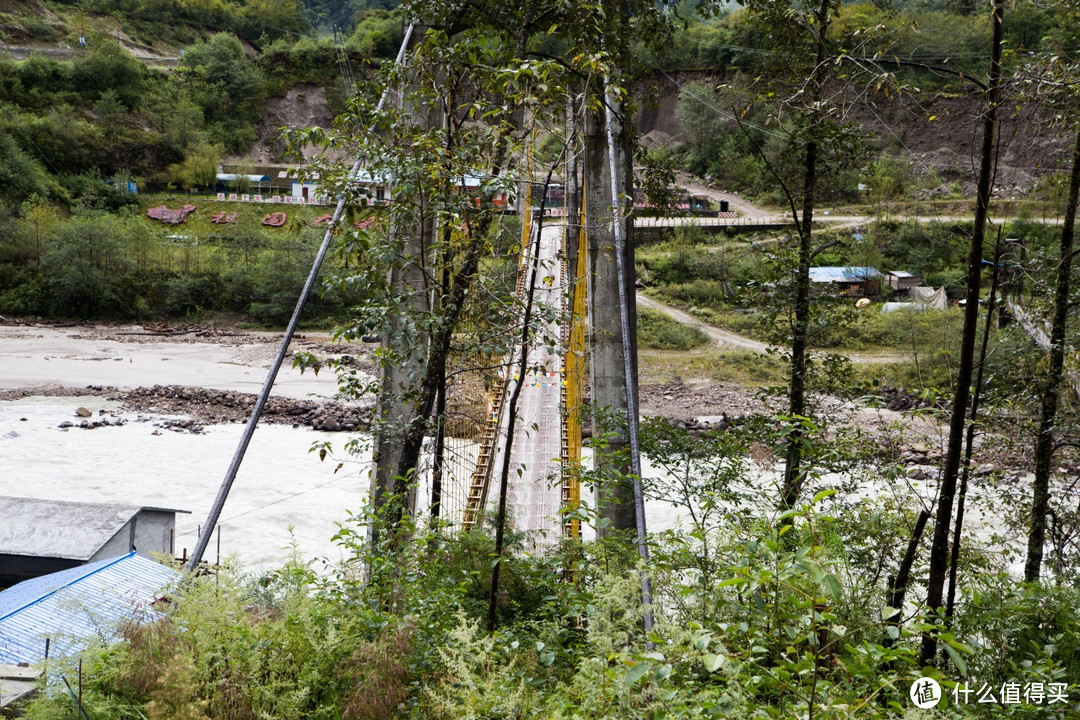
<point>129,356</point>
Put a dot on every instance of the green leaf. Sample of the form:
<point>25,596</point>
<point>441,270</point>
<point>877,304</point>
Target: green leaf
<point>636,672</point>
<point>546,659</point>
<point>822,495</point>
<point>835,589</point>
<point>712,661</point>
<point>957,660</point>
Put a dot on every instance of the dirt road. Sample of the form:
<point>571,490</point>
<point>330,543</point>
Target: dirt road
<point>727,340</point>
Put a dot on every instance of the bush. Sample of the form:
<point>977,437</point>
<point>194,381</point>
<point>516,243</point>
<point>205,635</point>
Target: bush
<point>23,290</point>
<point>378,34</point>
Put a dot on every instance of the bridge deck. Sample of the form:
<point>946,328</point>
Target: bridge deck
<point>534,491</point>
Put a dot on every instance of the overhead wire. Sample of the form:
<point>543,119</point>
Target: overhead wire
<point>911,154</point>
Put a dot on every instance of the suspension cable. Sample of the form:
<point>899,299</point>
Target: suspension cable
<point>628,363</point>
<point>264,395</point>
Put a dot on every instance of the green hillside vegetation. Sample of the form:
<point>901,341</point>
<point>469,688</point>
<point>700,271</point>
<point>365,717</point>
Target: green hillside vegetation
<point>163,25</point>
<point>101,263</point>
<point>74,131</point>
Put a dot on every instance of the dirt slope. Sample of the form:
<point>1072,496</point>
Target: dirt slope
<point>1030,145</point>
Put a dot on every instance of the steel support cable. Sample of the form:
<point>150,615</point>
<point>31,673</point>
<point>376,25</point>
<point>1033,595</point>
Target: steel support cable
<point>264,395</point>
<point>628,364</point>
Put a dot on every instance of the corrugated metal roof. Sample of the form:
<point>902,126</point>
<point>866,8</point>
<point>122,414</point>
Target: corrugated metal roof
<point>73,606</point>
<point>846,274</point>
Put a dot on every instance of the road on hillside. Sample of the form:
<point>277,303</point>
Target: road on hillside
<point>749,211</point>
<point>66,52</point>
<point>727,340</point>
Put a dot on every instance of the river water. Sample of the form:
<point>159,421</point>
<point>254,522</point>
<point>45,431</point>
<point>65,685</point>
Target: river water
<point>280,483</point>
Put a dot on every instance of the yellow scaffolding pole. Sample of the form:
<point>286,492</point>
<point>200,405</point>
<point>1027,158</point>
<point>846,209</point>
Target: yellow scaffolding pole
<point>573,379</point>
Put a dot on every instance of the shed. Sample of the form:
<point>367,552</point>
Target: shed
<point>902,281</point>
<point>851,280</point>
<point>75,607</point>
<point>258,182</point>
<point>39,537</point>
<point>304,191</point>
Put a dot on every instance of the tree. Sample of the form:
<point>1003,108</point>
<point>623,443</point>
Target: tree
<point>173,115</point>
<point>110,68</point>
<point>21,176</point>
<point>939,551</point>
<point>490,44</point>
<point>818,137</point>
<point>37,223</point>
<point>1048,406</point>
<point>377,34</point>
<point>200,167</point>
<point>428,250</point>
<point>110,111</point>
<point>227,86</point>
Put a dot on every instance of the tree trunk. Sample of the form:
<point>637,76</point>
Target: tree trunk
<point>939,552</point>
<point>1044,441</point>
<point>794,472</point>
<point>898,585</point>
<point>969,445</point>
<point>394,407</point>
<point>394,411</point>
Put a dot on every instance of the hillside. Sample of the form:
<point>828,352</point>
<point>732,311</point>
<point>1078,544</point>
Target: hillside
<point>936,133</point>
<point>165,96</point>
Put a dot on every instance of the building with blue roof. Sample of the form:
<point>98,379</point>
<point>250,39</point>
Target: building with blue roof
<point>850,280</point>
<point>74,608</point>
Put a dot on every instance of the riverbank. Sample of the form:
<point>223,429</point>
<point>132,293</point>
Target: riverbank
<point>213,374</point>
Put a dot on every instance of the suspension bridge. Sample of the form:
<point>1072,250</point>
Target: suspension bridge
<point>542,457</point>
<point>526,447</point>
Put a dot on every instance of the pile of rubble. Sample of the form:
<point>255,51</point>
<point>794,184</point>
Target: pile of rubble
<point>208,406</point>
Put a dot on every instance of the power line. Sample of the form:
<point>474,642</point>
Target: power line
<point>271,503</point>
<point>718,111</point>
